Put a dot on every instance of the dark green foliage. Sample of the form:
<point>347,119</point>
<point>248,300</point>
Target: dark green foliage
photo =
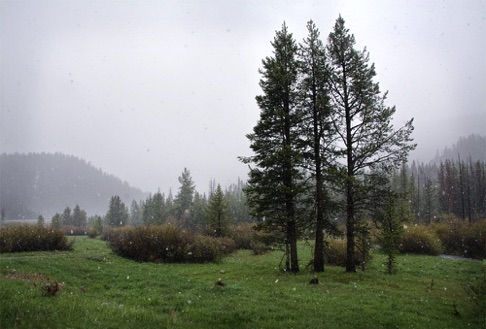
<point>390,228</point>
<point>420,240</point>
<point>154,209</point>
<point>184,200</point>
<point>19,238</point>
<point>217,220</point>
<point>276,181</point>
<point>368,140</point>
<point>317,131</point>
<point>56,221</point>
<point>79,217</point>
<point>166,244</point>
<point>117,214</point>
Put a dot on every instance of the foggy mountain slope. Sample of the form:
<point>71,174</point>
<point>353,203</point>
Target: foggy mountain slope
<point>42,183</point>
<point>472,147</point>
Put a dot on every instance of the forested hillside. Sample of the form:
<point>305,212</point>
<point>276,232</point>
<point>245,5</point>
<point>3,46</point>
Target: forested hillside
<point>469,148</point>
<point>42,184</point>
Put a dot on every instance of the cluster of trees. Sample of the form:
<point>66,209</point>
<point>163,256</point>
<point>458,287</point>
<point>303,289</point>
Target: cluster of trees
<point>324,145</point>
<point>76,217</point>
<point>452,188</point>
<point>189,210</point>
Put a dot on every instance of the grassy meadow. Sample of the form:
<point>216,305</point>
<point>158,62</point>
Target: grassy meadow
<point>103,290</point>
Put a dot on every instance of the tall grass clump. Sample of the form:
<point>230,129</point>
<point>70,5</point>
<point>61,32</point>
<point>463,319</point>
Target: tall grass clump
<point>420,240</point>
<point>18,238</point>
<point>166,244</point>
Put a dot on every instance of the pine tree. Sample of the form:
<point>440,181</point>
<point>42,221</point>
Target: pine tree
<point>136,213</point>
<point>56,221</point>
<point>363,122</point>
<point>184,199</point>
<point>275,183</point>
<point>217,214</point>
<point>67,217</point>
<point>79,217</point>
<point>316,128</point>
<point>117,214</point>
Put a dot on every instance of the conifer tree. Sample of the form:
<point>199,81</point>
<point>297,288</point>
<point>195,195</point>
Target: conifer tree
<point>368,139</point>
<point>317,130</point>
<point>117,214</point>
<point>184,199</point>
<point>275,178</point>
<point>217,214</point>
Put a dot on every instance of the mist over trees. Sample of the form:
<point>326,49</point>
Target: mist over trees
<point>42,183</point>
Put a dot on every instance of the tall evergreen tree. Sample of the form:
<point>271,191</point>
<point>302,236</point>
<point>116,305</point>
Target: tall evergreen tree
<point>136,213</point>
<point>117,214</point>
<point>316,128</point>
<point>184,199</point>
<point>275,183</point>
<point>67,217</point>
<point>217,214</point>
<point>79,217</point>
<point>368,139</point>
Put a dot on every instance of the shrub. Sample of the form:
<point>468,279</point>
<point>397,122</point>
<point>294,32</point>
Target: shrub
<point>18,238</point>
<point>243,235</point>
<point>463,239</point>
<point>247,237</point>
<point>335,253</point>
<point>420,240</point>
<point>92,232</point>
<point>209,249</point>
<point>166,244</point>
<point>73,230</point>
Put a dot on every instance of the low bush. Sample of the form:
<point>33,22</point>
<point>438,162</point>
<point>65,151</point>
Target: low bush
<point>335,253</point>
<point>73,230</point>
<point>420,240</point>
<point>247,237</point>
<point>243,235</point>
<point>209,249</point>
<point>18,238</point>
<point>166,244</point>
<point>463,239</point>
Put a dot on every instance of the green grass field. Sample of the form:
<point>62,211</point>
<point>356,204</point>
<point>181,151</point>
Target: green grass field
<point>102,290</point>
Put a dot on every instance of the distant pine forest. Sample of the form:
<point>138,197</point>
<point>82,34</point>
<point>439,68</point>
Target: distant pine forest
<point>452,185</point>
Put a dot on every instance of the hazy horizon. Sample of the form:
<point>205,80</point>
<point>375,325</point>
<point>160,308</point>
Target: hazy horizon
<point>144,89</point>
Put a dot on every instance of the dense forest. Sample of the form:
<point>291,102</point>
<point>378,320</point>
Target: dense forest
<point>452,185</point>
<point>42,184</point>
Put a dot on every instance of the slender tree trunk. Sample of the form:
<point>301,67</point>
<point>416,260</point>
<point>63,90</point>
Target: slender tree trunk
<point>319,243</point>
<point>350,229</point>
<point>350,222</point>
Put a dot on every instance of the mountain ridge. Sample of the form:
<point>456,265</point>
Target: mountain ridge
<point>36,184</point>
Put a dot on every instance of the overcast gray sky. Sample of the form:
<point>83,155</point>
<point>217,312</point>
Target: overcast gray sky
<point>143,89</point>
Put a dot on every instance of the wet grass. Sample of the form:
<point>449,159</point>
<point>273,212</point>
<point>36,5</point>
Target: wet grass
<point>102,290</point>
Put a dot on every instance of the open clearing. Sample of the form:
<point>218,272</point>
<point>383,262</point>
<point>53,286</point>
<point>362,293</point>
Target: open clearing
<point>102,290</point>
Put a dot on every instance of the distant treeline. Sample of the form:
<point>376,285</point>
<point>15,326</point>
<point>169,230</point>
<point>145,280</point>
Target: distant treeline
<point>452,188</point>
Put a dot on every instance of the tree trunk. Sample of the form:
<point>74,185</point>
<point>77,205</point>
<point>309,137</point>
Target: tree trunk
<point>319,244</point>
